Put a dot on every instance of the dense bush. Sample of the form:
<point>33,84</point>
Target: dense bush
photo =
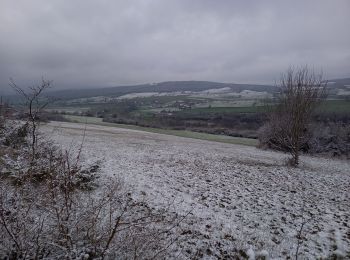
<point>332,139</point>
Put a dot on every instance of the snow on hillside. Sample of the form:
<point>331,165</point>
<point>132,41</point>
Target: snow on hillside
<point>238,197</point>
<point>254,94</point>
<point>151,94</point>
<point>209,93</point>
<point>216,91</point>
<point>343,92</point>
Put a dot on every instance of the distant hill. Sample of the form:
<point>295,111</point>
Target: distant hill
<point>174,86</point>
<point>169,86</point>
<point>339,83</point>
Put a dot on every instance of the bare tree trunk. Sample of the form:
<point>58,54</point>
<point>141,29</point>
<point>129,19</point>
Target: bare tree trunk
<point>296,158</point>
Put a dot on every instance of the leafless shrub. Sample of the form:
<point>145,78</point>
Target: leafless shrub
<point>51,208</point>
<point>2,117</point>
<point>34,104</point>
<point>81,225</point>
<point>15,136</point>
<point>287,129</point>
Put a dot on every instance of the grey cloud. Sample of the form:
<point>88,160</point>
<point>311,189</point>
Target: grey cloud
<point>87,43</point>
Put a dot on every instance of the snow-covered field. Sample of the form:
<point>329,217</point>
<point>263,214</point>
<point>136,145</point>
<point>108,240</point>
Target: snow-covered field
<point>239,197</point>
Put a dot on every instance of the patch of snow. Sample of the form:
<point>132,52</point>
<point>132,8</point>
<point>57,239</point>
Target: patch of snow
<point>254,94</point>
<point>263,254</point>
<point>216,91</point>
<point>343,92</point>
<point>251,254</point>
<point>151,94</point>
<point>138,95</point>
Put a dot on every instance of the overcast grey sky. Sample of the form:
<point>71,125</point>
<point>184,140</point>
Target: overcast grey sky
<point>85,43</point>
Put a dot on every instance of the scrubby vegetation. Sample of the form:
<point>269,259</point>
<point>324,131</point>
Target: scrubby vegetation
<point>54,206</point>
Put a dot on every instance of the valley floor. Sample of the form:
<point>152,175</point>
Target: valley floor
<point>239,197</point>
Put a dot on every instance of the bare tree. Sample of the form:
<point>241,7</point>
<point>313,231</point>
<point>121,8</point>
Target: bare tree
<point>301,90</point>
<point>2,113</point>
<point>35,104</point>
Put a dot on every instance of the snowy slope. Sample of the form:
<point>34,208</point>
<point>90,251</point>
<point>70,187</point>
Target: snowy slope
<point>240,198</point>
